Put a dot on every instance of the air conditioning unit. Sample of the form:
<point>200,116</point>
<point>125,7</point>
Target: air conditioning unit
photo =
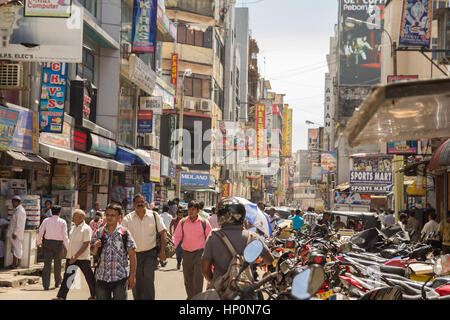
<point>11,76</point>
<point>149,139</point>
<point>205,105</point>
<point>189,104</point>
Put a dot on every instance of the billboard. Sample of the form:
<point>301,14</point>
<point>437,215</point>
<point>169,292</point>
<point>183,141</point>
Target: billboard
<point>360,25</point>
<point>371,174</point>
<point>313,145</point>
<point>34,39</point>
<point>144,26</point>
<point>415,27</point>
<point>402,147</point>
<point>49,8</point>
<point>53,95</point>
<point>287,133</point>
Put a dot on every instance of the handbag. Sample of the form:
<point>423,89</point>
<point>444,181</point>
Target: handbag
<point>170,247</point>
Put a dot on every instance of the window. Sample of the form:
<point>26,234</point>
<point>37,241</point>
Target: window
<point>192,37</point>
<point>91,6</point>
<point>219,49</point>
<point>86,69</point>
<point>197,87</point>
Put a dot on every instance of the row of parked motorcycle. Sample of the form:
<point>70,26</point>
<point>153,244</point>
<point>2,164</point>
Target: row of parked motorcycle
<point>374,264</point>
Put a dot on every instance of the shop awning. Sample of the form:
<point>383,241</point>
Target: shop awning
<point>27,160</point>
<point>441,157</point>
<point>116,166</point>
<point>125,155</point>
<point>73,156</point>
<point>402,111</point>
<point>142,158</point>
<point>199,189</point>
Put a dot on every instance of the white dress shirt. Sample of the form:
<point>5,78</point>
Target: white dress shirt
<point>17,223</point>
<point>389,220</point>
<point>78,236</point>
<point>143,231</point>
<point>54,228</point>
<point>429,227</point>
<point>167,219</point>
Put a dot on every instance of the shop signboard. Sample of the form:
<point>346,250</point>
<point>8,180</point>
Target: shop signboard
<point>351,198</point>
<point>195,179</point>
<point>260,130</point>
<point>164,166</point>
<point>80,140</point>
<point>53,95</point>
<point>152,103</point>
<point>43,44</point>
<point>402,147</point>
<point>25,135</point>
<point>102,147</point>
<point>144,26</point>
<point>8,123</point>
<point>48,8</point>
<point>287,133</point>
<point>226,190</point>
<point>61,140</point>
<point>403,78</point>
<point>329,162</point>
<point>142,74</point>
<point>145,121</point>
<point>155,167</point>
<point>416,22</point>
<point>371,174</point>
<point>360,29</point>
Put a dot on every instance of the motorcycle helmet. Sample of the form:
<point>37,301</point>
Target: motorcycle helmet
<point>230,211</point>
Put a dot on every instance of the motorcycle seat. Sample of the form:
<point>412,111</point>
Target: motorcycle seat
<point>393,270</point>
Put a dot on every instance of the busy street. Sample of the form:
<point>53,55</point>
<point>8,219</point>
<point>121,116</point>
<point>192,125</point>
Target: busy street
<point>205,151</point>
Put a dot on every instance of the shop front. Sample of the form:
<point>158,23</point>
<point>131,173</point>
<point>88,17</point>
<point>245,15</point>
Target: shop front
<point>199,186</point>
<point>20,169</point>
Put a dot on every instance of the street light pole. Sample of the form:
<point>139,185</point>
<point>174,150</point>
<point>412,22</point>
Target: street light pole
<point>187,72</point>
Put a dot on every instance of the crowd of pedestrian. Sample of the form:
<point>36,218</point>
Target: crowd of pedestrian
<point>118,252</point>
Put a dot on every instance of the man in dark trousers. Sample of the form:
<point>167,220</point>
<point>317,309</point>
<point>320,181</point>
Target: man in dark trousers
<point>53,238</point>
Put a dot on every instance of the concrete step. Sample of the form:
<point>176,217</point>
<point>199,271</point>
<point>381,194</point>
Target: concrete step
<point>18,281</point>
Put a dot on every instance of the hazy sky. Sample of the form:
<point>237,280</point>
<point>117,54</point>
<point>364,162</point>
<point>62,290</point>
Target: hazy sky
<point>293,36</point>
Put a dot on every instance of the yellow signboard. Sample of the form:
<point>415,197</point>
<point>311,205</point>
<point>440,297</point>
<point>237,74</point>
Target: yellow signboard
<point>287,132</point>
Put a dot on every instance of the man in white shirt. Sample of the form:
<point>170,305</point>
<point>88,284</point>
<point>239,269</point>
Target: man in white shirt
<point>430,227</point>
<point>166,216</point>
<point>53,238</point>
<point>310,217</point>
<point>381,216</point>
<point>78,256</point>
<point>143,225</point>
<point>16,230</point>
<point>389,220</point>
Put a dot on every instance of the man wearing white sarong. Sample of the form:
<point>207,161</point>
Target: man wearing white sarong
<point>16,230</point>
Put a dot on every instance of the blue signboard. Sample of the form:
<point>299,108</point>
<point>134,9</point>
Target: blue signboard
<point>53,95</point>
<point>145,121</point>
<point>144,26</point>
<point>8,122</point>
<point>415,28</point>
<point>25,135</point>
<point>195,179</point>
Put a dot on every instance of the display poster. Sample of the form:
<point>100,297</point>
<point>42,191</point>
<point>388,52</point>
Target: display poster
<point>329,162</point>
<point>415,27</point>
<point>53,94</point>
<point>144,26</point>
<point>360,29</point>
<point>25,135</point>
<point>8,122</point>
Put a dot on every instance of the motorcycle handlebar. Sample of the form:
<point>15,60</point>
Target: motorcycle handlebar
<point>249,290</point>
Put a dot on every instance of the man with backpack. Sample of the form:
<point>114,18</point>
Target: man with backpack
<point>114,245</point>
<point>145,225</point>
<point>225,247</point>
<point>192,231</point>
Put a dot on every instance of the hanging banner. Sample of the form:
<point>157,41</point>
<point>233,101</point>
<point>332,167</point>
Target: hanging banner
<point>53,94</point>
<point>260,130</point>
<point>415,27</point>
<point>287,133</point>
<point>48,8</point>
<point>174,73</point>
<point>329,162</point>
<point>144,26</point>
<point>155,167</point>
<point>145,121</point>
<point>226,190</point>
<point>8,122</point>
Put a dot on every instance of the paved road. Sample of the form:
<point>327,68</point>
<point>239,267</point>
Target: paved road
<point>169,285</point>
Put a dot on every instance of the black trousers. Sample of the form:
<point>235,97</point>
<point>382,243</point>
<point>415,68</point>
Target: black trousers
<point>69,275</point>
<point>53,250</point>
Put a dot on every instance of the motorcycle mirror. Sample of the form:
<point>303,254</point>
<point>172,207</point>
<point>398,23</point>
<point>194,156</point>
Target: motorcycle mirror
<point>442,265</point>
<point>253,251</point>
<point>384,293</point>
<point>308,282</point>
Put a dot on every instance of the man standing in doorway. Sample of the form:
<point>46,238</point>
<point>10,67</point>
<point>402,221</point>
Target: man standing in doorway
<point>193,232</point>
<point>16,230</point>
<point>144,224</point>
<point>53,237</point>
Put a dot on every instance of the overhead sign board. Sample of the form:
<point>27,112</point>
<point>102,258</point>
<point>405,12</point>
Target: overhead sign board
<point>48,8</point>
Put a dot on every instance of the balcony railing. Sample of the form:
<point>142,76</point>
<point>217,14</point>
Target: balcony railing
<point>201,7</point>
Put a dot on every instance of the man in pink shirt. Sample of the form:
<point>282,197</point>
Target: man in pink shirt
<point>193,232</point>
